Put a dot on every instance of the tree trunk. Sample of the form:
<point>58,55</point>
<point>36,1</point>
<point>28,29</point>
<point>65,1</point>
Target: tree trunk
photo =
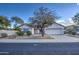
<point>42,32</point>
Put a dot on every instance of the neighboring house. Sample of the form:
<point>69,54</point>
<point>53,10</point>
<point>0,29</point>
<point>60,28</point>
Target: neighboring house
<point>72,28</point>
<point>77,29</point>
<point>53,29</point>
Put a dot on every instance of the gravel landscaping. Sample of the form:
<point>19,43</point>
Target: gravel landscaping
<point>28,37</point>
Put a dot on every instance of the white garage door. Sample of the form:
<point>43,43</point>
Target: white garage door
<point>54,31</point>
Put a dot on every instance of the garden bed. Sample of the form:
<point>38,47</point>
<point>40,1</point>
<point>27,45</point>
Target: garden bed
<point>28,37</point>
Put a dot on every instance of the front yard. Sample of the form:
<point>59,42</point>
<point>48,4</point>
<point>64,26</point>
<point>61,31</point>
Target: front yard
<point>57,38</point>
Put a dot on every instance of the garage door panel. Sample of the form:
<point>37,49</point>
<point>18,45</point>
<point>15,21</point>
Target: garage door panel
<point>56,31</point>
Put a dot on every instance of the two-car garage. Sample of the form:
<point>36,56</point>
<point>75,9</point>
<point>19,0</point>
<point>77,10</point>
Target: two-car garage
<point>55,29</point>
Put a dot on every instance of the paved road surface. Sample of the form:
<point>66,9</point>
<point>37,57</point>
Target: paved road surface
<point>39,48</point>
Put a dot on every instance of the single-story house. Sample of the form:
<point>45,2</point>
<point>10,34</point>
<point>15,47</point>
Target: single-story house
<point>53,29</point>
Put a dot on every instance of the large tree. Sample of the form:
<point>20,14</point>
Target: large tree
<point>16,20</point>
<point>4,22</point>
<point>42,18</point>
<point>76,19</point>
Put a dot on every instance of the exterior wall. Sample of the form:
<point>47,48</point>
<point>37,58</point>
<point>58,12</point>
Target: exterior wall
<point>36,31</point>
<point>77,31</point>
<point>9,32</point>
<point>32,30</point>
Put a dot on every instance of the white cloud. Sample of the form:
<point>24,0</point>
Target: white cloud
<point>65,22</point>
<point>71,21</point>
<point>60,21</point>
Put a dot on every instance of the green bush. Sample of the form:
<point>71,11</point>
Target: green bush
<point>20,33</point>
<point>28,33</point>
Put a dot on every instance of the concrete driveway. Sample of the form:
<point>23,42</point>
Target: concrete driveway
<point>65,38</point>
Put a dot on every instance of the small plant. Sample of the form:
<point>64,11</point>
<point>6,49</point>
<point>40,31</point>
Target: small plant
<point>28,33</point>
<point>4,35</point>
<point>20,33</point>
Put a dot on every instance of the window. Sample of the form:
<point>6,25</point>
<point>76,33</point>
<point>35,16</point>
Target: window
<point>26,29</point>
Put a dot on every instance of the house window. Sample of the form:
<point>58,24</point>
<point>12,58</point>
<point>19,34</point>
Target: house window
<point>25,29</point>
<point>54,28</point>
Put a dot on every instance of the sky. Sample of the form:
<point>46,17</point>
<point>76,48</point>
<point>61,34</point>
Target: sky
<point>25,10</point>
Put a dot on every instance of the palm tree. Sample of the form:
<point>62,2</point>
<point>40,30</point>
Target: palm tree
<point>4,22</point>
<point>17,21</point>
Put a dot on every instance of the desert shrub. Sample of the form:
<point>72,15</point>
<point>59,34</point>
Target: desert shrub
<point>4,35</point>
<point>20,33</point>
<point>28,33</point>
